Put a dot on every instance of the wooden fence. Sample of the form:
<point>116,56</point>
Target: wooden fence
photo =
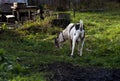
<point>68,4</point>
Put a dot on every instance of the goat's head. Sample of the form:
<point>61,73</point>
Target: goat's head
<point>59,40</point>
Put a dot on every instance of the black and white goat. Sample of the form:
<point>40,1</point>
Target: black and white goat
<point>75,32</point>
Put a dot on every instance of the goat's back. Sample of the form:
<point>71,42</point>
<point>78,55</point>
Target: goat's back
<point>67,29</point>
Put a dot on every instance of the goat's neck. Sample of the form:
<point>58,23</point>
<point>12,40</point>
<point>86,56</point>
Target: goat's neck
<point>65,33</point>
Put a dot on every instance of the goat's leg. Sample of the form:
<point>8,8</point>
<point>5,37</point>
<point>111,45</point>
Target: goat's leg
<point>73,46</point>
<point>78,46</point>
<point>82,46</point>
<point>70,44</point>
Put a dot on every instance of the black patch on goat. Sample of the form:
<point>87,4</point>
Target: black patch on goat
<point>71,28</point>
<point>82,28</point>
<point>77,26</point>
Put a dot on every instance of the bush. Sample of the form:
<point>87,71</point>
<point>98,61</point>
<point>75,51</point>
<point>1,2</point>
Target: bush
<point>5,65</point>
<point>3,27</point>
<point>38,26</point>
<point>2,57</point>
<point>8,67</point>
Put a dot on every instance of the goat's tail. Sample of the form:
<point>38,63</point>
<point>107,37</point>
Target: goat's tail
<point>81,24</point>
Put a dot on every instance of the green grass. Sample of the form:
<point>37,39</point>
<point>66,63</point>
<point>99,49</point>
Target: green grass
<point>101,49</point>
<point>33,77</point>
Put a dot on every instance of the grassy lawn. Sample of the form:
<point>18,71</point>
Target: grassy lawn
<point>101,49</point>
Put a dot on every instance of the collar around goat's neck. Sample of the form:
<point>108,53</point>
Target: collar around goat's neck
<point>63,37</point>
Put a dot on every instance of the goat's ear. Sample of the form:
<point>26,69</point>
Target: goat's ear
<point>54,39</point>
<point>55,42</point>
<point>58,34</point>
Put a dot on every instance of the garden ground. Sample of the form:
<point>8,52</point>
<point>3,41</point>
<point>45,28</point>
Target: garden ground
<point>30,54</point>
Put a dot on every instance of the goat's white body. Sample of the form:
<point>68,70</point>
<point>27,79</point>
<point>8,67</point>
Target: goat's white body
<point>66,31</point>
<point>75,36</point>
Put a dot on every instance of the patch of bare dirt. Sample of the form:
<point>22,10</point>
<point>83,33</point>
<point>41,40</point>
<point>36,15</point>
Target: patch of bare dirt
<point>70,72</point>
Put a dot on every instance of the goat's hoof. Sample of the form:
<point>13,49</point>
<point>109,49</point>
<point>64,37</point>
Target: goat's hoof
<point>71,56</point>
<point>80,55</point>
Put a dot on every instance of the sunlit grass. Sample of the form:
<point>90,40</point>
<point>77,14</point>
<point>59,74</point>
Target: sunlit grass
<point>101,49</point>
<point>33,77</point>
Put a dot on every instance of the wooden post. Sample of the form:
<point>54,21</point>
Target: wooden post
<point>74,13</point>
<point>29,14</point>
<point>69,4</point>
<point>18,16</point>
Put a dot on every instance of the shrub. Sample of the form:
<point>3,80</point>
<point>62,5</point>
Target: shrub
<point>2,57</point>
<point>3,27</point>
<point>38,26</point>
<point>8,67</point>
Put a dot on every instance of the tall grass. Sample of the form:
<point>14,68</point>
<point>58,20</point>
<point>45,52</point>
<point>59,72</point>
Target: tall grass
<point>30,47</point>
